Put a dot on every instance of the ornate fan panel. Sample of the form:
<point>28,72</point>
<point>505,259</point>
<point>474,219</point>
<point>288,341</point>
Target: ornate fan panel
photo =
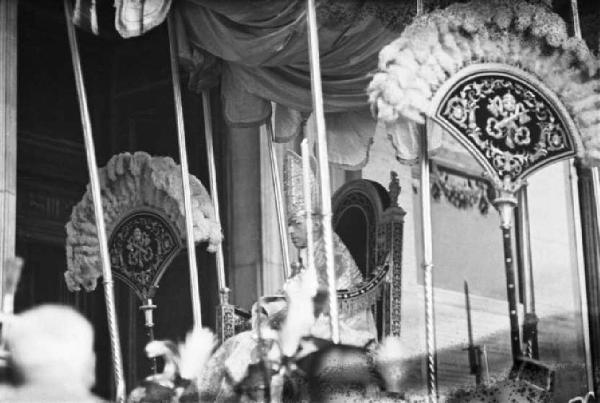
<point>509,126</point>
<point>141,248</point>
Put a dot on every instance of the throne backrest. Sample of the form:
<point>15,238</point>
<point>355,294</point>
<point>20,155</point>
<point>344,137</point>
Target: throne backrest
<point>369,221</point>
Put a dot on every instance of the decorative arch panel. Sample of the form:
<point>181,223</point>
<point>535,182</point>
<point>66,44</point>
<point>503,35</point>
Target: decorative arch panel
<point>510,122</point>
<point>140,192</point>
<point>515,47</point>
<point>141,247</point>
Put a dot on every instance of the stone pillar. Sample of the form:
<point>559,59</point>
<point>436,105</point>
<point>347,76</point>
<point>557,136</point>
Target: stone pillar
<point>8,130</point>
<point>243,241</point>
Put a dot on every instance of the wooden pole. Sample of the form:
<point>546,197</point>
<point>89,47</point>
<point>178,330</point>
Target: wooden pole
<point>427,259</point>
<point>581,272</point>
<point>505,202</point>
<point>530,321</point>
<point>214,193</point>
<point>8,133</point>
<point>185,176</point>
<point>307,191</point>
<point>279,205</point>
<point>322,155</point>
<point>577,220</point>
<point>426,232</point>
<point>90,152</point>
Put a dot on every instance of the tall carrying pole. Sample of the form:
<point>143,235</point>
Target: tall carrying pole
<point>185,176</point>
<point>427,260</point>
<point>90,152</point>
<point>214,193</point>
<point>581,269</point>
<point>8,135</point>
<point>505,203</point>
<point>579,241</point>
<point>281,222</point>
<point>317,96</point>
<point>530,321</point>
<point>307,191</point>
<point>426,231</point>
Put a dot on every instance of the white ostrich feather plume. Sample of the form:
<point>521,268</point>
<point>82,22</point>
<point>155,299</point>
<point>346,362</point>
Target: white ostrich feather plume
<point>529,37</point>
<point>390,350</point>
<point>300,318</point>
<point>195,352</point>
<point>388,358</point>
<point>130,182</point>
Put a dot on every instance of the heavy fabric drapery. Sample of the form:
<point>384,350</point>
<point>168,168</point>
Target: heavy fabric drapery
<point>258,51</point>
<point>264,51</point>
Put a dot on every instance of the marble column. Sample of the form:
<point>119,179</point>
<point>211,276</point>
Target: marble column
<point>8,130</point>
<point>243,242</point>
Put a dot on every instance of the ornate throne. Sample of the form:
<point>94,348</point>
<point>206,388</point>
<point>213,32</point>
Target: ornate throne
<point>369,221</point>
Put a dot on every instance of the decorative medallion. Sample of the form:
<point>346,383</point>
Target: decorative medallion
<point>508,125</point>
<point>141,248</point>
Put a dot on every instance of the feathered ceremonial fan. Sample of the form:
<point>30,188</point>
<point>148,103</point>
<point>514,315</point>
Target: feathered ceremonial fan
<point>528,37</point>
<point>142,198</point>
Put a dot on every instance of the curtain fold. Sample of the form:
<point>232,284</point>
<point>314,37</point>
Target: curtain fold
<point>264,48</point>
<point>258,51</point>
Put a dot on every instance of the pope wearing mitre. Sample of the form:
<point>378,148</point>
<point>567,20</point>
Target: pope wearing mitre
<point>229,365</point>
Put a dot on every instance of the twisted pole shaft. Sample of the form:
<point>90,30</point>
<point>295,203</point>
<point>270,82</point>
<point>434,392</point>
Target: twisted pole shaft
<point>317,94</point>
<point>427,259</point>
<point>428,270</point>
<point>185,176</point>
<point>90,152</point>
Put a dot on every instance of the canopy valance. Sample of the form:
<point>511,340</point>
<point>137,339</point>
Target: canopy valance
<point>263,48</point>
<point>259,51</point>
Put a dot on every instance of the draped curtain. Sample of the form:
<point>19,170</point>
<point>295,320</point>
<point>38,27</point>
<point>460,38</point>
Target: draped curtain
<point>260,49</point>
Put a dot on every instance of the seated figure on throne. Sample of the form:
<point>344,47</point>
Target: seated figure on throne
<point>229,365</point>
<point>357,326</point>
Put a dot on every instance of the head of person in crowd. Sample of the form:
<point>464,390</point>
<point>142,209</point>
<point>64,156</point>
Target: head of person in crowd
<point>52,345</point>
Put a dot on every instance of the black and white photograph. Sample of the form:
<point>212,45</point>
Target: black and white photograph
<point>279,201</point>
